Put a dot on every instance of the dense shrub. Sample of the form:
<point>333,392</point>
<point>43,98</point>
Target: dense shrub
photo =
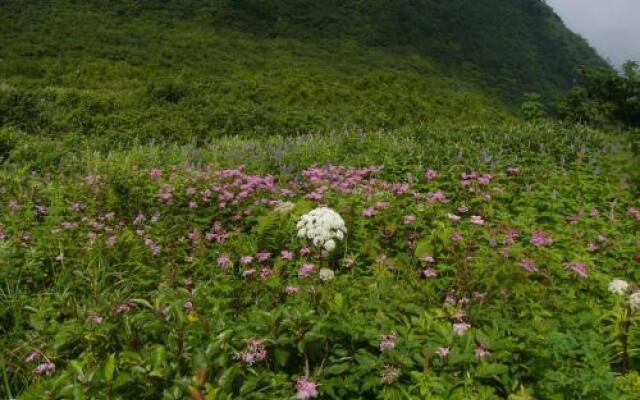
<point>605,98</point>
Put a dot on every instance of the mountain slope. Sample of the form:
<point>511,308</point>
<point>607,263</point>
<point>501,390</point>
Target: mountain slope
<point>518,45</point>
<point>83,67</point>
<point>188,69</point>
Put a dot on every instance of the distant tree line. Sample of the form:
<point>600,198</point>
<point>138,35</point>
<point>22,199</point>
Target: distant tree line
<point>605,97</point>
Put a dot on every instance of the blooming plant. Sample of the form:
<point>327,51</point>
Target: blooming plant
<point>467,280</point>
<point>323,227</point>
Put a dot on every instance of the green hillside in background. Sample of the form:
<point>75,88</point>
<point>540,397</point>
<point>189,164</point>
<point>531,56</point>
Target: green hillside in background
<point>512,46</point>
<point>188,70</point>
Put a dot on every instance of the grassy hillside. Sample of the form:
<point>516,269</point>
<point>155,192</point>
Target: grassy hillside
<point>512,46</point>
<point>83,68</point>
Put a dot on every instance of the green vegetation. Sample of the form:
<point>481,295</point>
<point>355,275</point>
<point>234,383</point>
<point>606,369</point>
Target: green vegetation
<point>109,272</point>
<point>510,46</point>
<point>156,157</point>
<point>85,69</point>
<point>605,98</point>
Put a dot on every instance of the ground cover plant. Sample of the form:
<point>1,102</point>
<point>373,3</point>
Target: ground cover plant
<point>470,264</point>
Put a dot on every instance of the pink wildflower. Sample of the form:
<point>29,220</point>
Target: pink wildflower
<point>34,355</point>
<point>306,270</point>
<point>255,352</point>
<point>369,212</point>
<point>407,219</point>
<point>44,368</point>
<point>443,352</point>
<point>429,273</point>
<point>224,261</point>
<point>481,352</point>
<point>431,175</point>
<point>263,256</point>
<point>528,265</point>
<point>96,319</point>
<point>287,255</point>
<point>111,241</point>
<point>14,206</point>
<point>153,246</point>
<point>387,342</point>
<point>428,259</point>
<point>592,247</point>
<point>540,238</point>
<point>460,328</point>
<point>292,290</point>
<point>438,196</point>
<point>634,212</point>
<point>246,260</point>
<point>265,273</point>
<point>123,307</point>
<point>454,218</point>
<point>155,173</point>
<point>485,179</point>
<point>306,389</point>
<point>579,268</point>
<point>477,220</point>
<point>511,236</point>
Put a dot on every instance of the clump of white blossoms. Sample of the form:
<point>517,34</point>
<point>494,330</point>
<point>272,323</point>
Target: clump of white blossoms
<point>326,274</point>
<point>618,286</point>
<point>634,301</point>
<point>323,227</point>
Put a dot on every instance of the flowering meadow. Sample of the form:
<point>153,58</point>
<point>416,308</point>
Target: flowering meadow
<point>475,264</point>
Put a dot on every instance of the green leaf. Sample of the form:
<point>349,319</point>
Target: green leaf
<point>424,248</point>
<point>491,370</point>
<point>281,356</point>
<point>110,367</point>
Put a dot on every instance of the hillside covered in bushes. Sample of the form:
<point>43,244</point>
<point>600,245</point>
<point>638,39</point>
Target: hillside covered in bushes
<point>188,70</point>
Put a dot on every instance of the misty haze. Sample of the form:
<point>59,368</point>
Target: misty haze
<point>611,26</point>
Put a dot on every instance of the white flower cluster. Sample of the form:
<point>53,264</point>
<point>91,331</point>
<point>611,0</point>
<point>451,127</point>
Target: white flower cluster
<point>621,287</point>
<point>326,274</point>
<point>618,286</point>
<point>323,227</point>
<point>634,301</point>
